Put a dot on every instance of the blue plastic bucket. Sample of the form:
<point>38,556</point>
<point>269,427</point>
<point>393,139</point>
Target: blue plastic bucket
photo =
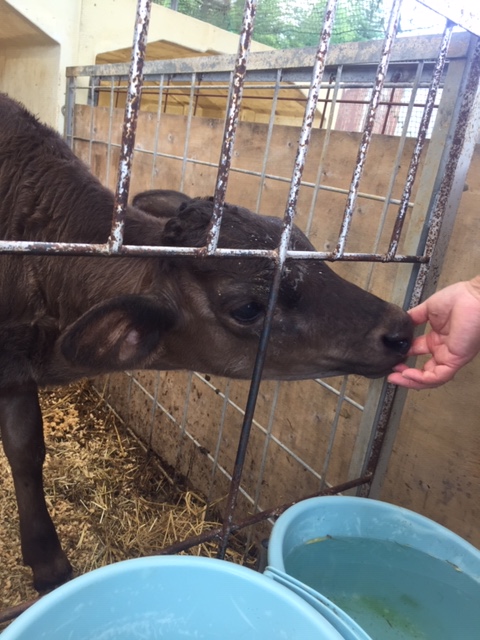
<point>171,597</point>
<point>398,575</point>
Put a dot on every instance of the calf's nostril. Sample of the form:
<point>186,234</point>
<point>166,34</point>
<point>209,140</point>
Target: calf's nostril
<point>398,343</point>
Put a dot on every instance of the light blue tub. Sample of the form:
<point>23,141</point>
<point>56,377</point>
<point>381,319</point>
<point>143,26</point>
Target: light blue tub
<point>172,598</point>
<point>378,571</point>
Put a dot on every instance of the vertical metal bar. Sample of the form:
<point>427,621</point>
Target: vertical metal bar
<point>305,135</point>
<point>306,132</point>
<point>263,463</point>
<point>70,110</point>
<point>396,167</point>
<point>326,142</point>
<point>458,149</point>
<point>183,425</point>
<point>268,438</point>
<point>157,130</point>
<point>231,123</point>
<point>132,108</point>
<point>333,432</point>
<point>454,174</point>
<point>191,109</point>
<point>388,110</point>
<point>420,143</point>
<point>269,138</point>
<point>368,130</point>
<point>110,123</point>
<point>90,99</point>
<point>218,445</point>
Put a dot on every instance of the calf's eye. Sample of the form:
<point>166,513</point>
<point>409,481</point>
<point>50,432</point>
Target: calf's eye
<point>248,313</point>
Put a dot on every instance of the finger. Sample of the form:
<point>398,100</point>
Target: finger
<point>419,314</point>
<point>422,379</point>
<point>419,347</point>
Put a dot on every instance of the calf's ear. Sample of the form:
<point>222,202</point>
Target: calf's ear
<point>160,203</point>
<point>116,334</point>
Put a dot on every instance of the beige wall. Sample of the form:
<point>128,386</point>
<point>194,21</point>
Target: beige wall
<point>40,38</point>
<point>434,468</point>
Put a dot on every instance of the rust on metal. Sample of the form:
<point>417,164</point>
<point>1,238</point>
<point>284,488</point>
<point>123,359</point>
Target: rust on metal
<point>368,129</point>
<point>305,134</point>
<point>463,129</point>
<point>104,250</point>
<point>213,534</point>
<point>420,143</point>
<point>132,107</point>
<point>231,122</point>
<point>217,532</point>
<point>306,131</point>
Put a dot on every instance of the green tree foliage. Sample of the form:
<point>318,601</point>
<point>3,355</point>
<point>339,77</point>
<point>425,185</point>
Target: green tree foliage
<point>286,25</point>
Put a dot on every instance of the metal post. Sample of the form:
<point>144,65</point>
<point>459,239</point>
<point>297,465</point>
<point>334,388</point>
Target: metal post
<point>132,108</point>
<point>305,135</point>
<point>231,122</point>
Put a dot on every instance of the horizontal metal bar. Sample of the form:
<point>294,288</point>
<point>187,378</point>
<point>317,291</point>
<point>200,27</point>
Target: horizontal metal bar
<point>215,533</point>
<point>208,89</point>
<point>104,250</point>
<point>405,49</point>
<point>398,75</point>
<point>212,534</point>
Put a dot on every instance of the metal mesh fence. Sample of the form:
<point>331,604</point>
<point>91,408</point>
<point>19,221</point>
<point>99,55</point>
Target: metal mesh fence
<point>285,25</point>
<point>320,431</point>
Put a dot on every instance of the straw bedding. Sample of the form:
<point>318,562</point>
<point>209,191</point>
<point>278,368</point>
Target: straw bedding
<point>108,498</point>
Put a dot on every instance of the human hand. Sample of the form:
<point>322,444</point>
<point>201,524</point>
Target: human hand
<point>454,316</point>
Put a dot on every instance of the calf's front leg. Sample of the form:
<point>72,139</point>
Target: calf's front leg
<point>22,435</point>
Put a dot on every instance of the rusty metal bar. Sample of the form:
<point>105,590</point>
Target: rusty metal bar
<point>326,142</point>
<point>305,135</point>
<point>368,130</point>
<point>103,250</point>
<point>463,137</point>
<point>132,107</point>
<point>306,132</point>
<point>212,534</point>
<point>231,122</point>
<point>275,512</point>
<point>459,144</point>
<point>69,114</point>
<point>13,612</point>
<point>420,143</point>
<point>287,59</point>
<point>273,110</point>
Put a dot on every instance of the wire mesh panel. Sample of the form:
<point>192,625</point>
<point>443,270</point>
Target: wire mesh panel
<point>360,197</point>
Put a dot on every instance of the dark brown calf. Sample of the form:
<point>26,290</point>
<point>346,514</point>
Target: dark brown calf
<point>62,318</point>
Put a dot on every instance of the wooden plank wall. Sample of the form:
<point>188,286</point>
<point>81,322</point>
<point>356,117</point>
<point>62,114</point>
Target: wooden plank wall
<point>434,467</point>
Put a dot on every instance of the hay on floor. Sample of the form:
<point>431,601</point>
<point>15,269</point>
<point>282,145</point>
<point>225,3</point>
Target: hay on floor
<point>109,500</point>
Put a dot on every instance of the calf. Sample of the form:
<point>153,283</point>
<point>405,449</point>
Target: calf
<point>63,318</point>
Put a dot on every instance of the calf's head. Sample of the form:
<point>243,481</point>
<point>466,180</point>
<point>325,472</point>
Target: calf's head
<point>207,313</point>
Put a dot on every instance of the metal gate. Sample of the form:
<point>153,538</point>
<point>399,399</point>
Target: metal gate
<point>420,94</point>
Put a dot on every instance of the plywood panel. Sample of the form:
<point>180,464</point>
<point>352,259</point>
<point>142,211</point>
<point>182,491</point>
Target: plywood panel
<point>434,467</point>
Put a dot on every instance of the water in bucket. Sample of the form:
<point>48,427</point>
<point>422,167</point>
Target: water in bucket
<point>393,591</point>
